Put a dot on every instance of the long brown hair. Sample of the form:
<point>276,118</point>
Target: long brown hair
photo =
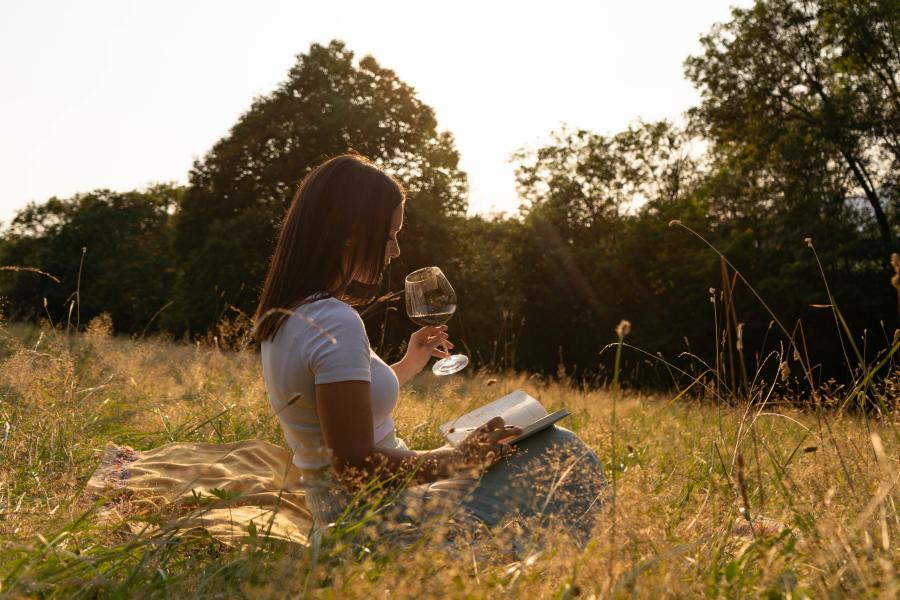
<point>345,199</point>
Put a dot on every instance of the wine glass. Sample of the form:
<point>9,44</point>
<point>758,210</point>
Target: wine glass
<point>431,301</point>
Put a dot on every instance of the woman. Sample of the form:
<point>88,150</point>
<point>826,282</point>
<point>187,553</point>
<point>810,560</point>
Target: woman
<point>334,396</point>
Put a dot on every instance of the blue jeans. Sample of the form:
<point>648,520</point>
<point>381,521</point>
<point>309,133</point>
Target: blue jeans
<point>553,476</point>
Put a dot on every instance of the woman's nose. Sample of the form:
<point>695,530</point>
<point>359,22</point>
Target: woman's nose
<point>393,250</point>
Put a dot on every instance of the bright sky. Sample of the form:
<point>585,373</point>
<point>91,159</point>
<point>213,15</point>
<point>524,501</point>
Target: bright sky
<point>122,93</point>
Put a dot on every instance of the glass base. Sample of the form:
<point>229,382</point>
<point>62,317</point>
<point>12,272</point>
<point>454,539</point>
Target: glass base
<point>450,365</point>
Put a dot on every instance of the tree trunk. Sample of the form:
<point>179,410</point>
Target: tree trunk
<point>872,195</point>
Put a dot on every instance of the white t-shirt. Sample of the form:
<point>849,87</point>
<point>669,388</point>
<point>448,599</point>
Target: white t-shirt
<point>323,341</point>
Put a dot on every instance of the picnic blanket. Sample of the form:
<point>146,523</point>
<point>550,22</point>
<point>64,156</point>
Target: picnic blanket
<point>229,491</point>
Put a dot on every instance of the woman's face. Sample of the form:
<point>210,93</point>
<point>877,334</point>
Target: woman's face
<point>392,250</point>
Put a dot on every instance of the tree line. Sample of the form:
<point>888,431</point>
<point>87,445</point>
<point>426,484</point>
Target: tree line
<point>789,161</point>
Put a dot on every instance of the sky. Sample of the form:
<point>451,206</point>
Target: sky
<point>120,94</point>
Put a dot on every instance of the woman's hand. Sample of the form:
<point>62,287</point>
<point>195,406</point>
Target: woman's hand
<point>423,344</point>
<point>484,446</point>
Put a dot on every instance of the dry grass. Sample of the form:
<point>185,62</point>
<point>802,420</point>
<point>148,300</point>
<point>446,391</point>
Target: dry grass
<point>681,484</point>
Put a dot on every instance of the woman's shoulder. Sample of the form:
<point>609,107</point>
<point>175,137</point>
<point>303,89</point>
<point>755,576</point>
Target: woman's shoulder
<point>330,306</point>
<point>326,316</point>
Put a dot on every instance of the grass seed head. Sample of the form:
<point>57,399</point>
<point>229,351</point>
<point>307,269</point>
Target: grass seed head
<point>784,371</point>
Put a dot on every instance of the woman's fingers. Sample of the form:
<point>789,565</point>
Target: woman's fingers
<point>500,449</point>
<point>495,423</point>
<point>497,438</point>
<point>439,345</point>
<point>435,339</point>
<point>496,430</point>
<point>509,432</point>
<point>427,333</point>
<point>439,340</point>
<point>487,442</point>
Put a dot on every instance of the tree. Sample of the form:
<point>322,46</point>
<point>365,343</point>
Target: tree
<point>111,252</point>
<point>239,191</point>
<point>867,36</point>
<point>575,258</point>
<point>779,73</point>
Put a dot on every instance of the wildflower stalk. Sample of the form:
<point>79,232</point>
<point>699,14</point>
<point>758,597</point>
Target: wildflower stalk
<point>676,222</point>
<point>622,329</point>
<point>840,322</point>
<point>807,370</point>
<point>831,303</point>
<point>27,270</point>
<point>712,300</point>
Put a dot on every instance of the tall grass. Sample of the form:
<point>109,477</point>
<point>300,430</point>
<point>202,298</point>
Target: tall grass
<point>699,510</point>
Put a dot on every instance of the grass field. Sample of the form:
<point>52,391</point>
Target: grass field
<point>683,470</point>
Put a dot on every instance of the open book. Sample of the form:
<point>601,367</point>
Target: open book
<point>517,408</point>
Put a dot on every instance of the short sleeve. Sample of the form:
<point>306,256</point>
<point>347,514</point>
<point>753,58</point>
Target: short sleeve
<point>338,347</point>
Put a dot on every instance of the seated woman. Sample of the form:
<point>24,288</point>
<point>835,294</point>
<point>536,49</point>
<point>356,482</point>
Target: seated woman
<point>334,396</point>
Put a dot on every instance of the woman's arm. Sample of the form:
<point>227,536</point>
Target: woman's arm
<point>423,344</point>
<point>345,416</point>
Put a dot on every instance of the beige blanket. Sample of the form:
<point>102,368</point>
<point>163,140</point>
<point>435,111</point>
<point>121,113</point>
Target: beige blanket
<point>230,491</point>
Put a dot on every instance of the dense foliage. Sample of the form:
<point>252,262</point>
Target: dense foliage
<point>797,136</point>
<point>224,230</point>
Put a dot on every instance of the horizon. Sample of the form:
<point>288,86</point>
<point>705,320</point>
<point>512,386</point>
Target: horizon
<point>145,94</point>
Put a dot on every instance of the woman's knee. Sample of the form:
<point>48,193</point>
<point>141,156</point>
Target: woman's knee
<point>551,442</point>
<point>563,435</point>
<point>563,439</point>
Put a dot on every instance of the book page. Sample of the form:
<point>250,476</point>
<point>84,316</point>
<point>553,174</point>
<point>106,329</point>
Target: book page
<point>517,408</point>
